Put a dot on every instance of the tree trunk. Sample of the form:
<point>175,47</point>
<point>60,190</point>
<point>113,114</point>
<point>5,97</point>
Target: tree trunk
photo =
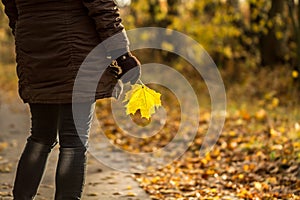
<point>272,48</point>
<point>296,27</point>
<point>233,3</point>
<point>298,40</point>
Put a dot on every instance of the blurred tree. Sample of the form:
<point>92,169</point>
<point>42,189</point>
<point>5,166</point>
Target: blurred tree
<point>267,24</point>
<point>273,44</point>
<point>234,4</point>
<point>225,30</point>
<point>6,39</point>
<point>216,24</point>
<point>296,27</point>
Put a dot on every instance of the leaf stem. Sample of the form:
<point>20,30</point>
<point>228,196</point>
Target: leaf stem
<point>140,81</point>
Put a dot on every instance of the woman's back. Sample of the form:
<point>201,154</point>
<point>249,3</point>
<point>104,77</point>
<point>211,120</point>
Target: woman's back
<point>53,37</point>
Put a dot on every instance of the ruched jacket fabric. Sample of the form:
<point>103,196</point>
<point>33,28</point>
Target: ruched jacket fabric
<point>53,38</point>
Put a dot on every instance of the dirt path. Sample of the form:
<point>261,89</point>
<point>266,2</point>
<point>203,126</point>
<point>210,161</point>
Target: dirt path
<point>101,182</point>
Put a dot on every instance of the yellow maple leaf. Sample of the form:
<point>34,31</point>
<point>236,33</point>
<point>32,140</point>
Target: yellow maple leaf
<point>142,98</point>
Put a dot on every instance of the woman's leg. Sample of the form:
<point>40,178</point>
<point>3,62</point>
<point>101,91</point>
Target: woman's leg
<point>73,140</point>
<point>34,157</point>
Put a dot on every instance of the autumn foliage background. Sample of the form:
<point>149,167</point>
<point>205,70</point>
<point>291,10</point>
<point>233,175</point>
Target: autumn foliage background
<point>256,46</point>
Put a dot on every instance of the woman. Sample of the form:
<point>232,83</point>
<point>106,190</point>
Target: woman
<point>53,38</point>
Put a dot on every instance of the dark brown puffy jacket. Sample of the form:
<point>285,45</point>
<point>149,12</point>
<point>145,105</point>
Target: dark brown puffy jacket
<point>53,38</point>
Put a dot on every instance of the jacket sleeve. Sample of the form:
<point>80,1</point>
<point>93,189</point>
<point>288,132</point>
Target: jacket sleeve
<point>12,13</point>
<point>106,16</point>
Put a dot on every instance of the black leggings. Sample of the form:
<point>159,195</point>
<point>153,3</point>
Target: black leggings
<point>49,119</point>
